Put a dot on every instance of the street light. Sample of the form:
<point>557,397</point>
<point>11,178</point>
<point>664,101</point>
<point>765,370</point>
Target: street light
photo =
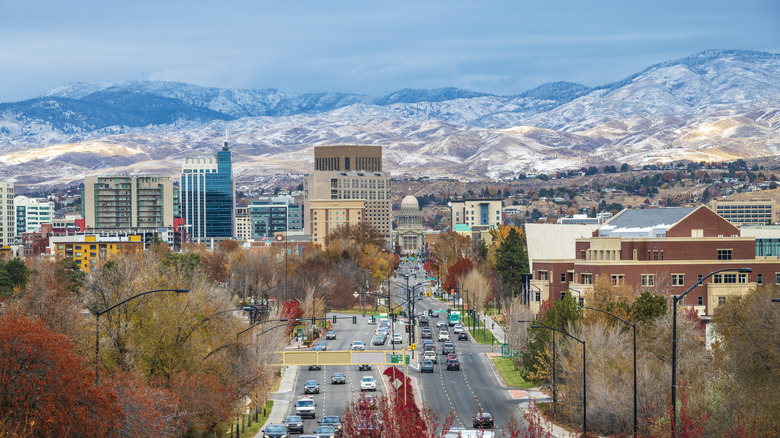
<point>675,299</point>
<point>634,327</point>
<point>584,372</point>
<point>97,321</point>
<point>555,392</point>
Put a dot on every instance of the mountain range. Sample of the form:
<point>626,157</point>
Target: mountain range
<point>712,106</point>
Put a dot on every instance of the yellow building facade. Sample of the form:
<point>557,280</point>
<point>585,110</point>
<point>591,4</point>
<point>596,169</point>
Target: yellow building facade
<point>92,251</point>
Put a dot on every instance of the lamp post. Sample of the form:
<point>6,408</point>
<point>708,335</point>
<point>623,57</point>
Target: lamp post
<point>97,321</point>
<point>675,300</point>
<point>555,392</point>
<point>584,372</point>
<point>633,326</point>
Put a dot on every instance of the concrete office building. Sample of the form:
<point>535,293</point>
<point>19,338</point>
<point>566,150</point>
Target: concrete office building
<point>121,202</point>
<point>326,215</point>
<point>351,173</point>
<point>7,214</point>
<point>750,212</point>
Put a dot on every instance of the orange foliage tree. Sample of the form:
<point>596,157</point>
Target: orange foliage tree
<point>46,389</point>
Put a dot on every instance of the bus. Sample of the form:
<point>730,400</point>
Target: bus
<point>454,318</point>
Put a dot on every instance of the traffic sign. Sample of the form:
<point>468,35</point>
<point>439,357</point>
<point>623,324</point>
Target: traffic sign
<point>414,346</point>
<point>428,293</point>
<point>398,358</point>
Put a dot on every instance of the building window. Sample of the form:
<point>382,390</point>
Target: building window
<point>538,296</point>
<point>699,301</point>
<point>617,279</point>
<point>724,254</point>
<point>587,278</point>
<point>563,277</point>
<point>563,295</point>
<point>678,279</point>
<point>717,278</point>
<point>582,254</point>
<point>777,277</point>
<point>542,275</point>
<point>721,301</point>
<point>743,278</point>
<point>698,278</point>
<point>655,255</point>
<point>648,280</point>
<point>760,278</point>
<point>730,278</point>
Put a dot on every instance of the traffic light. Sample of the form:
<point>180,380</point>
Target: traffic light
<point>407,328</point>
<point>430,312</point>
<point>394,317</point>
<point>449,312</point>
<point>334,319</point>
<point>354,320</point>
<point>313,320</point>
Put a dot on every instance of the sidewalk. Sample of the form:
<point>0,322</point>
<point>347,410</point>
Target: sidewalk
<point>282,398</point>
<point>497,330</point>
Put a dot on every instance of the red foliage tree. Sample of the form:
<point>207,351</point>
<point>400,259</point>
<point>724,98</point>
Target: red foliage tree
<point>46,389</point>
<point>460,268</point>
<point>291,309</point>
<point>148,411</point>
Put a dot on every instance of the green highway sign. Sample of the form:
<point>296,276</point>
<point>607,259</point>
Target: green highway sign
<point>397,358</point>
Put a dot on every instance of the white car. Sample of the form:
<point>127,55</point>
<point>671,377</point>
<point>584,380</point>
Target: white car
<point>431,356</point>
<point>367,383</point>
<point>357,345</point>
<point>397,339</point>
<point>444,336</point>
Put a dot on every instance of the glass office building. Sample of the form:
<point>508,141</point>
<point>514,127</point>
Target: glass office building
<point>207,196</point>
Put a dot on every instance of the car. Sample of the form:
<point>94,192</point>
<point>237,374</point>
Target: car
<point>338,378</point>
<point>294,423</point>
<point>448,348</point>
<point>275,431</point>
<point>367,425</point>
<point>426,367</point>
<point>444,336</point>
<point>382,332</point>
<point>315,367</point>
<point>357,345</point>
<point>305,407</point>
<point>368,401</point>
<point>322,346</point>
<point>463,336</point>
<point>364,367</point>
<point>311,387</point>
<point>428,342</point>
<point>317,348</point>
<point>330,334</point>
<point>397,339</point>
<point>431,356</point>
<point>452,356</point>
<point>457,329</point>
<point>434,314</point>
<point>368,383</point>
<point>426,333</point>
<point>429,347</point>
<point>424,322</point>
<point>325,432</point>
<point>483,420</point>
<point>453,364</point>
<point>378,340</point>
<point>440,324</point>
<point>333,421</point>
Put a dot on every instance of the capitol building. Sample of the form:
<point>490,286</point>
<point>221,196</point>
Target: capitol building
<point>409,232</point>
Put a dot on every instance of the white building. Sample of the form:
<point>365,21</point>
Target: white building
<point>31,213</point>
<point>7,214</point>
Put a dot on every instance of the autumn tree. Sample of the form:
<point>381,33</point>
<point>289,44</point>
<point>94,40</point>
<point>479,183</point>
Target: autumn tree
<point>361,234</point>
<point>512,259</point>
<point>457,271</point>
<point>450,247</point>
<point>45,389</point>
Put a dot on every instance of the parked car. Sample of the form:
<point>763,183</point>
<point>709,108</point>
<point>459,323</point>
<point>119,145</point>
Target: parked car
<point>483,420</point>
<point>294,423</point>
<point>330,334</point>
<point>426,367</point>
<point>368,383</point>
<point>338,378</point>
<point>311,387</point>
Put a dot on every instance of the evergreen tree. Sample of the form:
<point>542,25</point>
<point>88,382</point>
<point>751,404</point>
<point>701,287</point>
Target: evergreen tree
<point>512,260</point>
<point>648,306</point>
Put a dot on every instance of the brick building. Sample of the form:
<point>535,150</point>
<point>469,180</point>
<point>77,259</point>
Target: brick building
<point>664,250</point>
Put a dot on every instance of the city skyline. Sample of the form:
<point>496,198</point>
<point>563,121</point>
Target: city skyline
<point>366,48</point>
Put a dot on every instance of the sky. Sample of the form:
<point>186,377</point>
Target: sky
<point>368,47</point>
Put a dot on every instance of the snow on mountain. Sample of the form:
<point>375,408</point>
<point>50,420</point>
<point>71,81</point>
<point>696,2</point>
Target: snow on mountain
<point>712,106</point>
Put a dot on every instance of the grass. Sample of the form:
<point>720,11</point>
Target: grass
<point>481,335</point>
<point>252,430</point>
<point>512,378</point>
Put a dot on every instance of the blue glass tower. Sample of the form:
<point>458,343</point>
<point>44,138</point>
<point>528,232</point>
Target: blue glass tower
<point>208,195</point>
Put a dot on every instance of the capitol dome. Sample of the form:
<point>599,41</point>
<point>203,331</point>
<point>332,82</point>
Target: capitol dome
<point>410,203</point>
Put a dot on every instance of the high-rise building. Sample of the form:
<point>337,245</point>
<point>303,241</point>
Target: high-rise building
<point>31,213</point>
<point>351,173</point>
<point>477,213</point>
<point>7,214</point>
<point>750,212</point>
<point>121,202</point>
<point>208,196</point>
